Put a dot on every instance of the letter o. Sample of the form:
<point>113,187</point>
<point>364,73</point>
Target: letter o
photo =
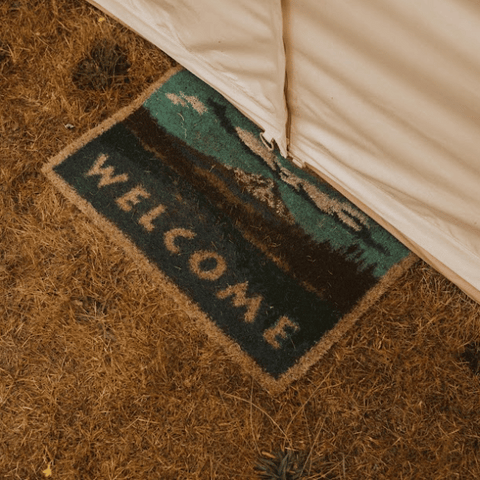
<point>214,274</point>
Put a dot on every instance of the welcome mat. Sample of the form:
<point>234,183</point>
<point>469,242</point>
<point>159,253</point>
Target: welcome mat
<point>267,258</point>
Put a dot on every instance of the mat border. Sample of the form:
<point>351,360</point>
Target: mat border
<point>204,323</point>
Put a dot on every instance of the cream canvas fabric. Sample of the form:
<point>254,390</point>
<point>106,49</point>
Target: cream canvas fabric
<point>383,99</point>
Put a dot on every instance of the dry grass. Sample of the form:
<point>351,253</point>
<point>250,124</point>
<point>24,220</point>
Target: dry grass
<point>104,377</point>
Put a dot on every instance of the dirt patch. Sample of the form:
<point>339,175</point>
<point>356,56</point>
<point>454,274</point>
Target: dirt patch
<point>105,66</point>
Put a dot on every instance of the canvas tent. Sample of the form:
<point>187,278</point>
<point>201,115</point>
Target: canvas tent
<point>381,97</point>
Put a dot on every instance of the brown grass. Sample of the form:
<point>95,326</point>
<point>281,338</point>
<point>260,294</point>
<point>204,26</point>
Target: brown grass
<point>103,377</point>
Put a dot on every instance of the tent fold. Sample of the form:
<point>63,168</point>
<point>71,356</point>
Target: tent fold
<point>236,48</point>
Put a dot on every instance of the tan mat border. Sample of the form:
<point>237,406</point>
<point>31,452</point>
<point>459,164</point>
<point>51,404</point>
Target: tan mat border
<point>190,307</point>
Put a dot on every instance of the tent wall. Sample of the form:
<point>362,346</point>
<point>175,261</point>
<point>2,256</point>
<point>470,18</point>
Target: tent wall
<point>385,102</point>
<point>382,96</point>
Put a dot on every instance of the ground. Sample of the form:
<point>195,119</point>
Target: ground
<point>103,376</point>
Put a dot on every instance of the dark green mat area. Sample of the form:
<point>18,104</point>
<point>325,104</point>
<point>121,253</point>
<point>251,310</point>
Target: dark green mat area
<point>270,254</point>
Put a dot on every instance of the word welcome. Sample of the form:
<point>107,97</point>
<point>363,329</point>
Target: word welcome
<point>205,265</point>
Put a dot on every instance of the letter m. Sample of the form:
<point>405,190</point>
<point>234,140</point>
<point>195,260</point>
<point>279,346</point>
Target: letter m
<point>239,293</point>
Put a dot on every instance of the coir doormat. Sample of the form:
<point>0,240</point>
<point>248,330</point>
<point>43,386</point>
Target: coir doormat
<point>267,258</point>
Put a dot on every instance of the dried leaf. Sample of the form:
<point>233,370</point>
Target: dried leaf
<point>48,471</point>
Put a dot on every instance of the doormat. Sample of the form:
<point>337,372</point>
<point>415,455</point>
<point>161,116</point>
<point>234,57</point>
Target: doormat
<point>267,258</point>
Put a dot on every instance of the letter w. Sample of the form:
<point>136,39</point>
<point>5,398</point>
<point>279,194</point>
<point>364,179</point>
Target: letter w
<point>240,299</point>
<point>106,173</point>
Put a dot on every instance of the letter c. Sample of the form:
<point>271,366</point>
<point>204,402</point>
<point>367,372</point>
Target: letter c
<point>170,237</point>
